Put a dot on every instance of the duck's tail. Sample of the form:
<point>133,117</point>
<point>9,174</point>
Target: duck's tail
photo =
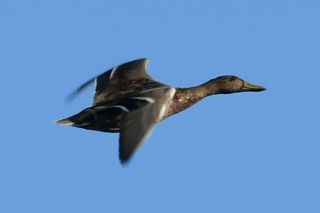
<point>65,121</point>
<point>81,119</point>
<point>96,118</point>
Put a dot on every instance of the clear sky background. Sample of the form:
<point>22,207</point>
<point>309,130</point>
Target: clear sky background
<point>245,152</point>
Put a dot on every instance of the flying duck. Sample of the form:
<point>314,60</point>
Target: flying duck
<point>127,100</point>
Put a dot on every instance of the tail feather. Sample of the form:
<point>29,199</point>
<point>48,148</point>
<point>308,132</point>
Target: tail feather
<point>65,121</point>
<point>85,117</point>
<point>94,118</point>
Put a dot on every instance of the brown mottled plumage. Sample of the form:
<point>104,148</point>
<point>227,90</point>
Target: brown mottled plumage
<point>129,101</point>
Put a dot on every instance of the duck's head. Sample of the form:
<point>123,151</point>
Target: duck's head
<point>231,84</point>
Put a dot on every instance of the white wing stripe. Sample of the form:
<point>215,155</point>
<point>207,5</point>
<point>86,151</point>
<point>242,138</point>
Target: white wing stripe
<point>121,107</point>
<point>95,82</point>
<point>113,106</point>
<point>147,99</point>
<point>112,72</point>
<point>164,108</point>
<point>172,92</point>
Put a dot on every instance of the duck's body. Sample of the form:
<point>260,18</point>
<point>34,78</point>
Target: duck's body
<point>129,101</point>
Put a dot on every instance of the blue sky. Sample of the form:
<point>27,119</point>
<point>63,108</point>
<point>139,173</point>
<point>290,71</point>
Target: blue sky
<point>248,152</point>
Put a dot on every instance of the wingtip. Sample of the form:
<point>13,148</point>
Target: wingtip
<point>124,160</point>
<point>71,96</point>
<point>124,163</point>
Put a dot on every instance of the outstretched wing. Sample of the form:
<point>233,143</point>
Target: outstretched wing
<point>134,129</point>
<point>137,125</point>
<point>116,80</point>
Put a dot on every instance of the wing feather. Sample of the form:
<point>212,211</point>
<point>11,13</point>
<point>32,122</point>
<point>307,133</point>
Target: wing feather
<point>109,81</point>
<point>137,125</point>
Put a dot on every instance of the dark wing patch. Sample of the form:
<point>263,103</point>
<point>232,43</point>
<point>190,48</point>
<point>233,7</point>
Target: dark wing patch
<point>130,71</point>
<point>110,80</point>
<point>119,79</point>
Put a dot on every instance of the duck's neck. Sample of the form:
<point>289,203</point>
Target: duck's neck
<point>211,87</point>
<point>195,94</point>
<point>186,97</point>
